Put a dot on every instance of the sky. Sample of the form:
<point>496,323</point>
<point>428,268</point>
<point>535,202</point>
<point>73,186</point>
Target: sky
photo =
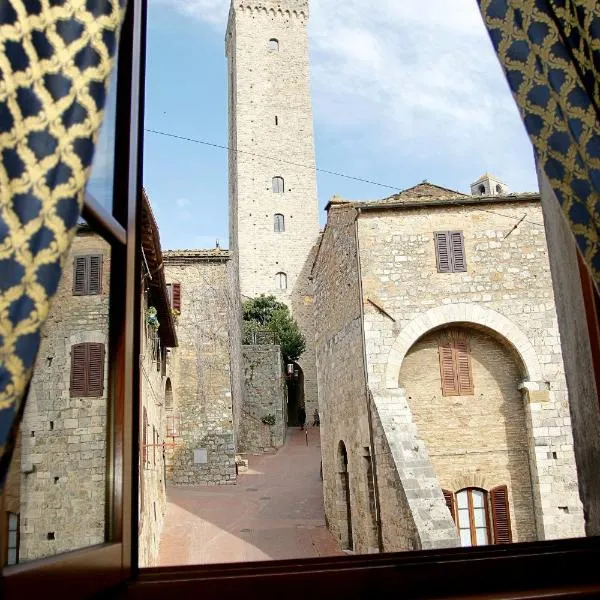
<point>403,91</point>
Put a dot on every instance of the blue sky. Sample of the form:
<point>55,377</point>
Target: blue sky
<point>402,91</point>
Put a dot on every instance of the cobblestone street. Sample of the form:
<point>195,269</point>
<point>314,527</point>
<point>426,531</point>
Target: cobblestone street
<point>274,512</point>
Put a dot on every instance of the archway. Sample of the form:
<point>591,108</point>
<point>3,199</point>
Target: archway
<point>343,499</point>
<point>168,395</point>
<point>295,385</point>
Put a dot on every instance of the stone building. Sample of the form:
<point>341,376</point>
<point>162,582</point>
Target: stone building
<point>441,380</point>
<point>207,389</point>
<point>55,499</point>
<point>274,222</point>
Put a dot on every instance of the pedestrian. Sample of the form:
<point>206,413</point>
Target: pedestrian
<point>301,417</point>
<point>316,418</point>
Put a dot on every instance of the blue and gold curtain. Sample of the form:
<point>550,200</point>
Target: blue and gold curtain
<point>55,61</point>
<point>550,53</point>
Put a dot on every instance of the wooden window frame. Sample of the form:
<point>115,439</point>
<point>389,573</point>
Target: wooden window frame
<point>87,288</point>
<point>552,569</point>
<point>457,259</point>
<point>7,548</point>
<point>472,528</point>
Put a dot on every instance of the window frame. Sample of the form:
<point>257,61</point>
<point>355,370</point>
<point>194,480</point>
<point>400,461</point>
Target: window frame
<point>549,569</point>
<point>281,276</point>
<point>450,236</point>
<point>472,527</point>
<point>275,184</point>
<point>279,223</point>
<point>88,270</point>
<point>450,341</point>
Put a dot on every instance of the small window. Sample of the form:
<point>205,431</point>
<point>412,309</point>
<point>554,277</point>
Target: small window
<point>281,281</point>
<point>482,189</point>
<point>87,275</point>
<point>279,224</point>
<point>276,120</point>
<point>481,517</point>
<point>450,252</point>
<point>87,370</point>
<point>455,365</point>
<point>174,293</point>
<point>499,189</point>
<point>12,540</point>
<point>274,45</point>
<point>278,185</point>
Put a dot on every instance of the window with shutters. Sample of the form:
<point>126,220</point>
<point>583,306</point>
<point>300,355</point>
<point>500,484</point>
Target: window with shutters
<point>278,185</point>
<point>456,374</point>
<point>87,370</point>
<point>279,224</point>
<point>174,292</point>
<point>481,517</point>
<point>87,275</point>
<point>450,252</point>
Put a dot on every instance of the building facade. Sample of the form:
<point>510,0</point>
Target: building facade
<point>441,378</point>
<point>273,216</point>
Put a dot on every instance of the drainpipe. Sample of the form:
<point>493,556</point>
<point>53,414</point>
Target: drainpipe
<point>367,391</point>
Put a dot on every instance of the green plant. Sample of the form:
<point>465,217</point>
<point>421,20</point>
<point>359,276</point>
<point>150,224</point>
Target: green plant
<point>267,313</point>
<point>151,318</point>
<point>268,419</point>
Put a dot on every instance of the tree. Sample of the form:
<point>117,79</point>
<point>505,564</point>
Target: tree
<point>267,313</point>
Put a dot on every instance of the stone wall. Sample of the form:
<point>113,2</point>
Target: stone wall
<point>507,288</point>
<point>63,451</point>
<point>266,394</point>
<point>577,355</point>
<point>477,440</point>
<point>201,367</point>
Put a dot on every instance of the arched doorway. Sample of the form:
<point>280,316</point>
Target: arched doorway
<point>295,385</point>
<point>343,501</point>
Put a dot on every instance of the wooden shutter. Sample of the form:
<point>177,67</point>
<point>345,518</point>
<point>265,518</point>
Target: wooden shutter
<point>447,369</point>
<point>145,438</point>
<point>80,275</point>
<point>462,358</point>
<point>457,251</point>
<point>442,252</point>
<point>449,498</point>
<point>95,371</point>
<point>95,274</point>
<point>500,515</point>
<point>78,370</point>
<point>176,297</point>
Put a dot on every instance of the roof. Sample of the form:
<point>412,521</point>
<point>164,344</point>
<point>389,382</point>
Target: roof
<point>486,176</point>
<point>209,254</point>
<point>157,285</point>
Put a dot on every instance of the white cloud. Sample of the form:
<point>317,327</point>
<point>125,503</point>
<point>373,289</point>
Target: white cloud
<point>415,78</point>
<point>183,202</point>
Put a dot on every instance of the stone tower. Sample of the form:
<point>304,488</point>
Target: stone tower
<point>274,222</point>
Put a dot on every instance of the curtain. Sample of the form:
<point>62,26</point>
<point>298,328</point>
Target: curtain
<point>55,60</point>
<point>550,53</point>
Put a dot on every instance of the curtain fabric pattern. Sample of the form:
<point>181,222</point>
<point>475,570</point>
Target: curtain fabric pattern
<point>55,61</point>
<point>550,53</point>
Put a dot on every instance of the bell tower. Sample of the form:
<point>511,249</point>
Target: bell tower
<point>272,180</point>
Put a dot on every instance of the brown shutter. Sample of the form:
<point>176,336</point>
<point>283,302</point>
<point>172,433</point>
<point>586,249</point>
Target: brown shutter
<point>449,498</point>
<point>78,370</point>
<point>463,366</point>
<point>447,369</point>
<point>95,274</point>
<point>500,515</point>
<point>457,251</point>
<point>95,371</point>
<point>176,297</point>
<point>80,275</point>
<point>442,252</point>
<point>145,438</point>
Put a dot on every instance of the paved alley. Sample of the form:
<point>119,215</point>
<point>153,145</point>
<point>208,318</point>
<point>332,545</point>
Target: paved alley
<point>274,512</point>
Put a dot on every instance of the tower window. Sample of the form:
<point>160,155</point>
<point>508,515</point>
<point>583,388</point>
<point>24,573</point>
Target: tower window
<point>278,185</point>
<point>274,45</point>
<point>281,281</point>
<point>482,189</point>
<point>499,189</point>
<point>279,225</point>
<point>276,120</point>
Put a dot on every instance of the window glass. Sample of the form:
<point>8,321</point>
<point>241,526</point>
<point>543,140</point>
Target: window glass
<point>57,485</point>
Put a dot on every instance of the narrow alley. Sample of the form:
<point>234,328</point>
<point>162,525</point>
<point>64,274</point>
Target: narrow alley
<point>274,512</point>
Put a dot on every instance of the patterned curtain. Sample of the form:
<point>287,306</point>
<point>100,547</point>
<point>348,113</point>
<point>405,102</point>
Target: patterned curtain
<point>550,52</point>
<point>55,61</point>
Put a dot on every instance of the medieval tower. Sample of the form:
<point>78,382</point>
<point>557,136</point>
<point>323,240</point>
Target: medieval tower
<point>274,221</point>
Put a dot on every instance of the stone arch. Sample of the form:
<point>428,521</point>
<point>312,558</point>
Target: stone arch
<point>468,314</point>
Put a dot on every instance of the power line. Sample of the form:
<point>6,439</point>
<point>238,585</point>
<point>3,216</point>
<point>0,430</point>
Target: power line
<point>281,160</point>
<point>312,167</point>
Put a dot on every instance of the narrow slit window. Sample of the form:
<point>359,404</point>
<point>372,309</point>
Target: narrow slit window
<point>278,185</point>
<point>279,224</point>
